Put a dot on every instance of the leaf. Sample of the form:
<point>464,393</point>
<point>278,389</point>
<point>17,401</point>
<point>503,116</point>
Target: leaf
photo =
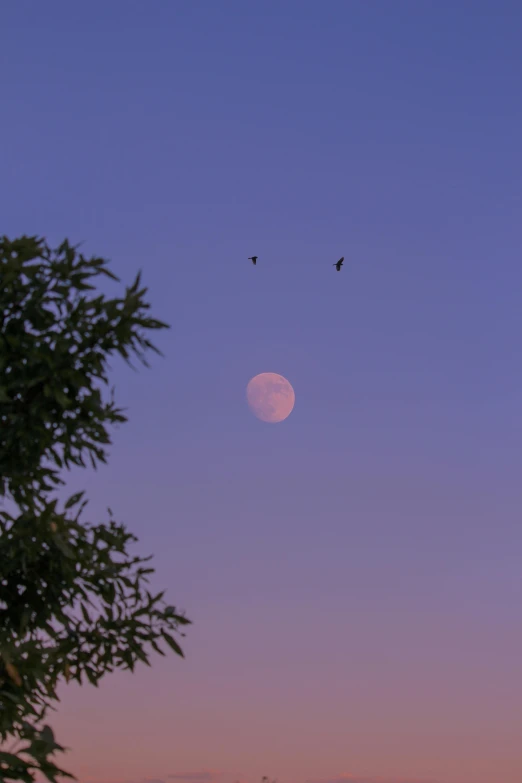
<point>13,673</point>
<point>141,655</point>
<point>106,272</point>
<point>74,499</point>
<point>10,758</point>
<point>141,612</point>
<point>170,611</point>
<point>91,676</point>
<point>111,593</point>
<point>156,648</point>
<point>62,546</point>
<point>47,735</point>
<point>62,398</point>
<point>172,643</point>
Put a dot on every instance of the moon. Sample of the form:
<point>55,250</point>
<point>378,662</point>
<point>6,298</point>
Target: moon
<point>270,397</point>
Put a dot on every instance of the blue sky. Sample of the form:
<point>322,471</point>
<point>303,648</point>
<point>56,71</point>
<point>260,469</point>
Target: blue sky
<point>181,138</point>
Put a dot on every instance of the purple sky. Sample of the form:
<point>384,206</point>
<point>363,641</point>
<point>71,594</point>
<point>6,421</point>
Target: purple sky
<point>354,572</point>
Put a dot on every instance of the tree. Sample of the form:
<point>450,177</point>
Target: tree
<point>74,603</point>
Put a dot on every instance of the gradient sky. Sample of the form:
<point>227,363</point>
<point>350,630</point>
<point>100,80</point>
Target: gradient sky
<point>353,573</point>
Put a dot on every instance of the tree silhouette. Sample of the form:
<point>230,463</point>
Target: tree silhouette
<point>74,604</point>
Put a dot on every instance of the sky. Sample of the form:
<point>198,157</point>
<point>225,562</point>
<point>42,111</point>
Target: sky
<point>353,573</point>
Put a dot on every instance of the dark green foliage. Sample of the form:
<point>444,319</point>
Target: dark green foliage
<point>73,602</point>
<point>54,342</point>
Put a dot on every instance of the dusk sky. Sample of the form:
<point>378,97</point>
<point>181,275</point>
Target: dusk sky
<point>353,573</point>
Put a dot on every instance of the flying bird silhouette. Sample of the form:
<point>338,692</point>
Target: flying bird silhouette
<point>253,259</point>
<point>339,264</point>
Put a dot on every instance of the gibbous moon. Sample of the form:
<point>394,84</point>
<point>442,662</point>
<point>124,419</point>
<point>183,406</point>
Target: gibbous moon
<point>270,397</point>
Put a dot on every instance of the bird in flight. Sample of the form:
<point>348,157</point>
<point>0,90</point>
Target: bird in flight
<point>339,264</point>
<point>253,259</point>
